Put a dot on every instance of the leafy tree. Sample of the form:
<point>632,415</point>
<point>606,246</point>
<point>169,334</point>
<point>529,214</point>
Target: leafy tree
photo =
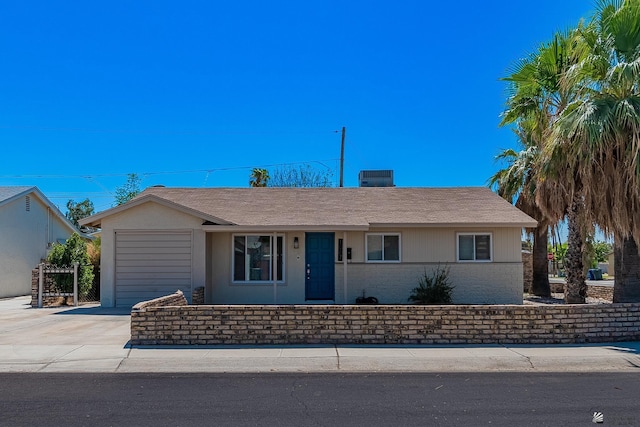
<point>302,176</point>
<point>94,249</point>
<point>598,251</point>
<point>65,255</point>
<point>128,190</point>
<point>77,211</point>
<point>259,177</point>
<point>559,252</point>
<point>601,251</point>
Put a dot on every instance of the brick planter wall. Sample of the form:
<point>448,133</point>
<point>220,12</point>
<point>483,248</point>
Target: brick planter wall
<point>593,291</point>
<point>527,270</point>
<point>383,324</point>
<point>173,300</point>
<point>197,296</point>
<point>597,291</point>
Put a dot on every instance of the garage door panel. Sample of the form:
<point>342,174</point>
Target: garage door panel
<point>152,276</point>
<point>152,264</point>
<point>136,256</point>
<point>158,246</point>
<point>134,291</point>
<point>154,236</point>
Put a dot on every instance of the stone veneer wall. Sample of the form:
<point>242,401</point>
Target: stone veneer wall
<point>593,291</point>
<point>598,291</point>
<point>197,296</point>
<point>527,269</point>
<point>55,299</point>
<point>154,323</point>
<point>173,300</point>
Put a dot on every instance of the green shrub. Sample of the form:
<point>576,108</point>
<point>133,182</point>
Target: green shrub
<point>74,250</point>
<point>433,289</point>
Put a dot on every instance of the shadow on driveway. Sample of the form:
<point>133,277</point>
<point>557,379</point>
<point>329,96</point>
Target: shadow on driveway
<point>97,311</point>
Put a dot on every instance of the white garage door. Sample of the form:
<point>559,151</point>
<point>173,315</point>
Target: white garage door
<point>151,264</point>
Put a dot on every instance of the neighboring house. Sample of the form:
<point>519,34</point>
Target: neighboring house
<point>331,244</point>
<point>29,225</point>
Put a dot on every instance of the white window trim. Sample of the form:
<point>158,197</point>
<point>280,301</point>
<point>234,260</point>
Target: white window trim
<point>383,261</point>
<point>479,233</point>
<point>258,282</point>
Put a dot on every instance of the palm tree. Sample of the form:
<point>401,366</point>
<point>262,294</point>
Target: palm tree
<point>518,181</point>
<point>597,138</point>
<point>259,177</point>
<point>538,97</point>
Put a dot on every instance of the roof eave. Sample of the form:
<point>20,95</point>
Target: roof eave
<point>281,228</point>
<point>456,225</point>
<point>96,220</point>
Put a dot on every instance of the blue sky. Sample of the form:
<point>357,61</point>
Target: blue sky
<point>195,93</point>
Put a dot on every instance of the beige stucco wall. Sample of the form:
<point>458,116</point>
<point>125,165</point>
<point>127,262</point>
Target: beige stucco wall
<point>475,283</point>
<point>24,241</point>
<point>497,282</point>
<point>222,290</point>
<point>149,216</point>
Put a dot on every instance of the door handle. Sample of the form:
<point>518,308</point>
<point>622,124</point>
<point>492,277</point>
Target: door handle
<point>308,271</point>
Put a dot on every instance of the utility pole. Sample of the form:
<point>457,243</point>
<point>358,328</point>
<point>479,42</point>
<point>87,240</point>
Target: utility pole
<point>344,131</point>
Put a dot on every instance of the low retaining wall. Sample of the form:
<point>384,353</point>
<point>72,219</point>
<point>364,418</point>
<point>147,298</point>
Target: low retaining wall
<point>152,324</point>
<point>173,300</point>
<point>593,291</point>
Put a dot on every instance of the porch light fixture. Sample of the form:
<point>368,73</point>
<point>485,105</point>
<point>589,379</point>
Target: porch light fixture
<point>296,243</point>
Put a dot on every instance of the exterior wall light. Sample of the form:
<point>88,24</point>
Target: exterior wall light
<point>296,243</point>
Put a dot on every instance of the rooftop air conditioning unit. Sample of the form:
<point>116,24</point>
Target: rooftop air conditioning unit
<point>379,178</point>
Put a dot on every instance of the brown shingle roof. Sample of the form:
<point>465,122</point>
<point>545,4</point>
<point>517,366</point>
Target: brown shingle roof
<point>308,207</point>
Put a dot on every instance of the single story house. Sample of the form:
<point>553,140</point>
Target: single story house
<point>310,245</point>
<point>29,226</point>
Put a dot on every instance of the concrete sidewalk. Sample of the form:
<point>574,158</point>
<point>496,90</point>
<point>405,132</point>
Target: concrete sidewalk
<point>92,339</point>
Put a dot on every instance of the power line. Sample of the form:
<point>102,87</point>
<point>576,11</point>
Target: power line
<point>180,172</point>
<point>159,131</point>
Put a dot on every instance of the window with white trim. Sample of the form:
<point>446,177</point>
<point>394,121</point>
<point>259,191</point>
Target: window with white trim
<point>383,247</point>
<point>252,260</point>
<point>474,247</point>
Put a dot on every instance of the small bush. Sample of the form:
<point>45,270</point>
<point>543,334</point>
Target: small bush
<point>74,250</point>
<point>433,289</point>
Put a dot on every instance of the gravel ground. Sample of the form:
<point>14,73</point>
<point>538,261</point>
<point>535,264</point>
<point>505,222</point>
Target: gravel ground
<point>557,298</point>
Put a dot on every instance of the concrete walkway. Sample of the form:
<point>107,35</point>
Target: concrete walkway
<point>92,339</point>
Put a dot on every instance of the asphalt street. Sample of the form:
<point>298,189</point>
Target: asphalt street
<point>410,399</point>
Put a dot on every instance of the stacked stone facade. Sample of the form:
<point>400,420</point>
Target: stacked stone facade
<point>527,270</point>
<point>157,323</point>
<point>51,297</point>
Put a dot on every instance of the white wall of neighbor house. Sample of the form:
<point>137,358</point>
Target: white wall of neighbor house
<point>25,236</point>
<point>149,216</point>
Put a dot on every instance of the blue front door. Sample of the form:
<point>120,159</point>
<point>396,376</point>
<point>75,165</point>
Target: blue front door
<point>319,266</point>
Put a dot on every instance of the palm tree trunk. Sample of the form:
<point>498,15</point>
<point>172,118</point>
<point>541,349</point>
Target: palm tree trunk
<point>627,270</point>
<point>540,283</point>
<point>575,289</point>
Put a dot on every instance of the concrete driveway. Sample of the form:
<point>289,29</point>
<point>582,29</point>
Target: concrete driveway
<point>61,338</point>
<point>93,339</point>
